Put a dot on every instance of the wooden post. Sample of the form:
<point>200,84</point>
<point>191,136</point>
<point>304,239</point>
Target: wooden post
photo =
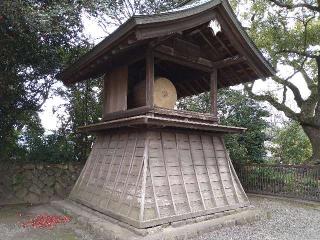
<point>214,92</point>
<point>115,90</point>
<point>149,78</point>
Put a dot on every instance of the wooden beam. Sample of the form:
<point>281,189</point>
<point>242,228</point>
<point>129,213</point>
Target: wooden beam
<point>222,43</point>
<point>228,61</point>
<point>238,43</point>
<point>214,92</point>
<point>185,47</point>
<point>193,32</point>
<point>171,56</point>
<point>213,48</point>
<point>200,86</point>
<point>205,83</point>
<point>183,91</point>
<point>161,40</point>
<point>149,78</point>
<point>229,76</point>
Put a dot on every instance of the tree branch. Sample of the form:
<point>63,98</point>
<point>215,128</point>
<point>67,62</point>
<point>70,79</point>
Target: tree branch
<point>317,111</point>
<point>298,5</point>
<point>295,90</point>
<point>307,79</point>
<point>305,54</point>
<point>268,98</point>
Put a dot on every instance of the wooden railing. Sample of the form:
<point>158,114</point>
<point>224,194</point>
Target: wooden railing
<point>302,182</point>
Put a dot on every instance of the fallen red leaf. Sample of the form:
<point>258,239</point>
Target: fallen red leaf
<point>46,221</point>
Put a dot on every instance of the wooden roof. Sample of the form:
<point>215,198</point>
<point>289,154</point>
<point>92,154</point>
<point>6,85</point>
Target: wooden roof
<point>154,122</point>
<point>230,50</point>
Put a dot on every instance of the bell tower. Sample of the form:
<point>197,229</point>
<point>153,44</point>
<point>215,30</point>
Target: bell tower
<point>151,163</point>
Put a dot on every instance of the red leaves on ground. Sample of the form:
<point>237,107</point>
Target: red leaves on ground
<point>46,221</point>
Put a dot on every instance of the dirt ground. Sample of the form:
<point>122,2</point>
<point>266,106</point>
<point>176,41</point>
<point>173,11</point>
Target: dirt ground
<point>288,220</point>
<point>12,218</point>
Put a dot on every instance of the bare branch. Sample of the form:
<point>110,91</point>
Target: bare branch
<point>270,99</point>
<point>298,5</point>
<point>295,90</point>
<point>317,114</point>
<point>305,54</point>
<point>284,95</point>
<point>308,80</point>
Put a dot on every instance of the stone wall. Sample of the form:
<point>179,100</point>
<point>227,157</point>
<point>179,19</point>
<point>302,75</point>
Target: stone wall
<point>36,183</point>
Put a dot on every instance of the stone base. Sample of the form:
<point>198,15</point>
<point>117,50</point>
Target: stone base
<point>113,229</point>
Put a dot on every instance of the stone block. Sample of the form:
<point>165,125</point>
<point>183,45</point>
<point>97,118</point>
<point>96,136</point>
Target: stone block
<point>35,189</point>
<point>50,172</point>
<point>21,193</point>
<point>28,175</point>
<point>60,190</point>
<point>40,166</point>
<point>29,166</point>
<point>32,198</point>
<point>50,181</point>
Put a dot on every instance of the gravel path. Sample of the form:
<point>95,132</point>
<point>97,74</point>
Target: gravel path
<point>288,220</point>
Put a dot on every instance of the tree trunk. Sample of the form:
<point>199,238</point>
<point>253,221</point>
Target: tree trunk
<point>314,136</point>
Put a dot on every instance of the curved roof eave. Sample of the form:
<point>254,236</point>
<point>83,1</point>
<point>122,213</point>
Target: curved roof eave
<point>148,20</point>
<point>245,35</point>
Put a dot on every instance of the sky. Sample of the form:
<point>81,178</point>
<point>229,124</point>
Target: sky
<point>53,106</point>
<point>50,121</point>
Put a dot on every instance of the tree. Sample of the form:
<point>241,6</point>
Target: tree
<point>35,146</point>
<point>288,32</point>
<point>84,107</point>
<point>113,13</point>
<point>236,109</point>
<point>291,145</point>
<point>37,38</point>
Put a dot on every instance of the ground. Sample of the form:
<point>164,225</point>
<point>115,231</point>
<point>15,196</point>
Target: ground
<point>12,218</point>
<point>287,220</point>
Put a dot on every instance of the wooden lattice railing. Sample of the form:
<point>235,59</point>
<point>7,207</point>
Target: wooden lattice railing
<point>302,182</point>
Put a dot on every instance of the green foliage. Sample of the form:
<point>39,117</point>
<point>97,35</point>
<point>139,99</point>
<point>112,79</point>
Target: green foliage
<point>287,31</point>
<point>291,145</point>
<point>282,180</point>
<point>111,13</point>
<point>199,103</point>
<point>36,146</point>
<point>84,107</point>
<point>37,38</point>
<point>236,109</point>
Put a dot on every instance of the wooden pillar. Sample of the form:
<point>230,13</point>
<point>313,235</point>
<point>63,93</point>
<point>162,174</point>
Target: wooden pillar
<point>214,92</point>
<point>115,91</point>
<point>149,78</point>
